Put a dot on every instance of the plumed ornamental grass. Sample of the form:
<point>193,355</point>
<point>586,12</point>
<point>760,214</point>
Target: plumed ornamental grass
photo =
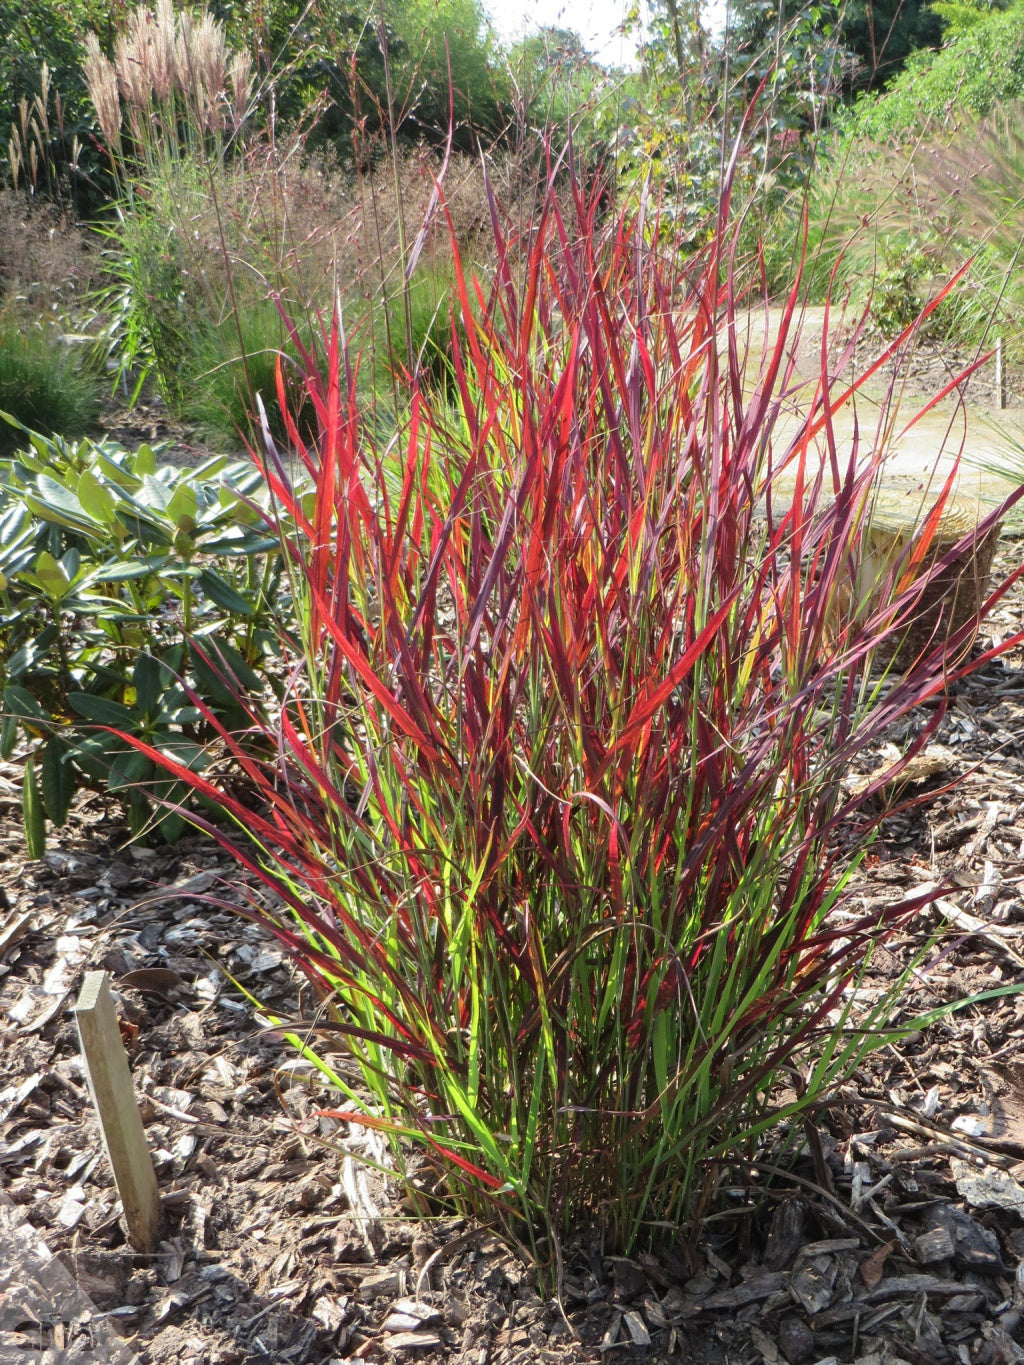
<point>552,824</point>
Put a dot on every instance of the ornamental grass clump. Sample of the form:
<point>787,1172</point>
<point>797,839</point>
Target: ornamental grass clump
<point>552,821</point>
<point>174,106</point>
<point>44,383</point>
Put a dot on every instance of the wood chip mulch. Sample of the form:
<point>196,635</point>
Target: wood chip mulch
<point>897,1235</point>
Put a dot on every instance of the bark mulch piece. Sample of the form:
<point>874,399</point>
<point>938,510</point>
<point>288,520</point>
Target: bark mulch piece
<point>897,1234</point>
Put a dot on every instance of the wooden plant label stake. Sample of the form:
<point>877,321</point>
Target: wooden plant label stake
<point>110,1081</point>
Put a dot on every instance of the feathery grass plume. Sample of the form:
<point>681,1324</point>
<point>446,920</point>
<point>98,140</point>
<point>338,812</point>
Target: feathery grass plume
<point>553,823</point>
<point>101,82</point>
<point>184,36</point>
<point>172,71</point>
<point>162,58</point>
<point>36,145</point>
<point>41,102</point>
<point>239,71</point>
<point>208,73</point>
<point>131,62</point>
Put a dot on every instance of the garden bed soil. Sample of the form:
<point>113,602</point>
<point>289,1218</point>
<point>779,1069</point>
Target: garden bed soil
<point>150,421</point>
<point>898,1235</point>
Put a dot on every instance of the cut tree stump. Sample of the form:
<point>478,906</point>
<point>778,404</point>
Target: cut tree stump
<point>956,595</point>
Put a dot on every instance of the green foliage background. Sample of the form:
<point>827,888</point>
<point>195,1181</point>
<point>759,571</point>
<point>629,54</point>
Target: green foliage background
<point>47,30</point>
<point>341,51</point>
<point>981,66</point>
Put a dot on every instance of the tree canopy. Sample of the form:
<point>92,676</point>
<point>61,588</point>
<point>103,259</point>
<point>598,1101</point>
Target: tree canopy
<point>415,61</point>
<point>981,65</point>
<point>882,34</point>
<point>871,39</point>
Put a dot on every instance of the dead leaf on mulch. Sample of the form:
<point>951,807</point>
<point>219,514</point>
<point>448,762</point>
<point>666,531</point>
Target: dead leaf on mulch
<point>872,1270</point>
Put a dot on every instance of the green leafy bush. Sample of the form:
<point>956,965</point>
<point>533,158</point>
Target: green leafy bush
<point>111,567</point>
<point>551,818</point>
<point>980,68</point>
<point>155,313</point>
<point>423,71</point>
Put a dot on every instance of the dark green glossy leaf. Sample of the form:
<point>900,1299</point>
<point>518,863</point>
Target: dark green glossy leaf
<point>9,727</point>
<point>223,672</point>
<point>240,541</point>
<point>128,769</point>
<point>33,815</point>
<point>95,753</point>
<point>184,751</point>
<point>103,711</point>
<point>178,713</point>
<point>71,563</point>
<point>54,502</point>
<point>57,778</point>
<point>126,571</point>
<point>21,703</point>
<point>171,825</point>
<point>174,658</point>
<point>150,679</point>
<point>25,659</point>
<point>225,596</point>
